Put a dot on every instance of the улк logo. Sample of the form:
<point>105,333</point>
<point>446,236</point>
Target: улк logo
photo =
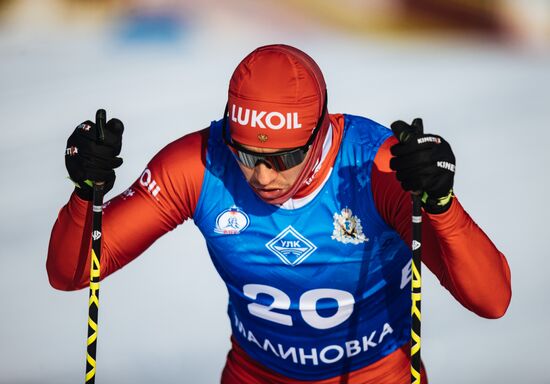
<point>291,247</point>
<point>232,221</point>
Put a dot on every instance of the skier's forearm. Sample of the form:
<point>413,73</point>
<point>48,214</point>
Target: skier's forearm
<point>131,223</point>
<point>70,241</point>
<point>469,264</point>
<point>454,248</point>
<point>163,197</point>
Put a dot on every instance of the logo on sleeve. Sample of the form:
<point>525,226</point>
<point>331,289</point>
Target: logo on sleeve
<point>84,126</point>
<point>348,228</point>
<point>232,221</point>
<point>147,181</point>
<point>291,247</point>
<point>128,193</point>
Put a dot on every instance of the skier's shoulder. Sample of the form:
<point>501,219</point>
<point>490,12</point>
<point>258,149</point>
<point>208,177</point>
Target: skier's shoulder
<point>181,161</point>
<point>362,130</point>
<point>184,152</point>
<point>187,148</point>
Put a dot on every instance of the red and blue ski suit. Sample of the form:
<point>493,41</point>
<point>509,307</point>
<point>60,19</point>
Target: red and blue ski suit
<point>316,294</point>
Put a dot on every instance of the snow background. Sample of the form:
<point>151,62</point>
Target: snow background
<point>162,319</point>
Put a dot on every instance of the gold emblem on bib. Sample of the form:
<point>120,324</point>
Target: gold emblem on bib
<point>262,137</point>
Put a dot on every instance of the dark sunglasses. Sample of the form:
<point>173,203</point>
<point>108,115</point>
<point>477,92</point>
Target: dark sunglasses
<point>281,160</point>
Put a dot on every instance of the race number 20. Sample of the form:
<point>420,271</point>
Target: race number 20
<point>307,305</point>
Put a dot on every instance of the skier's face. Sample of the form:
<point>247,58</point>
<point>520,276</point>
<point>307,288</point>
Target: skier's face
<point>266,180</point>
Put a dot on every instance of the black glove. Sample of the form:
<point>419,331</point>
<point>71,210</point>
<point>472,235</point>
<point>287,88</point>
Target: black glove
<point>88,158</point>
<point>424,163</point>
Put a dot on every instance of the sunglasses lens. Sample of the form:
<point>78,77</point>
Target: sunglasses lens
<point>280,162</point>
<point>247,159</point>
<point>289,160</point>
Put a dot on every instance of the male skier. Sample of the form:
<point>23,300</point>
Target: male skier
<point>306,217</point>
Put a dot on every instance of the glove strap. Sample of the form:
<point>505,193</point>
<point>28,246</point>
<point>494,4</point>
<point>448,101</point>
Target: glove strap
<point>438,204</point>
<point>83,190</point>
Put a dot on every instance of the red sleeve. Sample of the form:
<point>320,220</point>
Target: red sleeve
<point>164,196</point>
<point>454,248</point>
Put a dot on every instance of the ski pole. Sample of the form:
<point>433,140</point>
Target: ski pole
<point>93,303</point>
<point>416,287</point>
<point>416,263</point>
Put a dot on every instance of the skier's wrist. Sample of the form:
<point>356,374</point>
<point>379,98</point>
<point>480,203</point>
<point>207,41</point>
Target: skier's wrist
<point>437,205</point>
<point>84,190</point>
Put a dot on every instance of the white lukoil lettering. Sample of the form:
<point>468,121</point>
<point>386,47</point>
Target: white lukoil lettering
<point>262,119</point>
<point>241,120</point>
<point>269,121</point>
<point>146,180</point>
<point>257,119</point>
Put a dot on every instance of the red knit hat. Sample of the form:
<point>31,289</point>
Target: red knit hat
<point>276,97</point>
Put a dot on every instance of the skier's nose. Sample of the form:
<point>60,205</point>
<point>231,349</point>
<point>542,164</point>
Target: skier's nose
<point>264,174</point>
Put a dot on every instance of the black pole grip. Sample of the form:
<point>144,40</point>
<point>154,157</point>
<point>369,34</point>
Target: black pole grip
<point>100,122</point>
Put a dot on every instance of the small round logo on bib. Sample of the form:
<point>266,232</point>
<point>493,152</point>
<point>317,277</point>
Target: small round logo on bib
<point>232,221</point>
